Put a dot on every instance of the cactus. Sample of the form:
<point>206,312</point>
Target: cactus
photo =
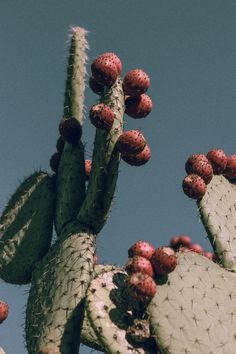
<point>72,299</point>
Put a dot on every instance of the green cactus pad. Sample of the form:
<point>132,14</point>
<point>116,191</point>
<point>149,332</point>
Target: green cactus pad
<point>102,181</point>
<point>108,311</point>
<point>194,309</point>
<point>218,214</point>
<point>26,228</point>
<point>54,312</point>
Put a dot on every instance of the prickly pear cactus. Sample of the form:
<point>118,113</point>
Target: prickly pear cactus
<point>72,299</point>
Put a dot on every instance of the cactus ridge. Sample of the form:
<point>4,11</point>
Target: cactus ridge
<point>194,308</point>
<point>218,213</point>
<point>55,305</point>
<point>26,228</point>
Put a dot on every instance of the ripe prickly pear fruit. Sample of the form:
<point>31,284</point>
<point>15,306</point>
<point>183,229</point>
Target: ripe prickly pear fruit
<point>136,82</point>
<point>164,260</point>
<point>218,160</point>
<point>70,130</point>
<point>97,88</point>
<point>60,144</point>
<point>104,70</point>
<point>203,169</point>
<point>102,116</point>
<point>131,142</point>
<point>138,159</point>
<point>209,255</point>
<point>138,106</point>
<point>113,57</point>
<point>194,159</point>
<point>174,242</point>
<point>195,247</point>
<point>138,264</point>
<point>194,186</point>
<point>88,167</point>
<point>54,161</point>
<point>141,248</point>
<point>230,169</point>
<point>4,309</point>
<point>180,241</point>
<point>141,287</point>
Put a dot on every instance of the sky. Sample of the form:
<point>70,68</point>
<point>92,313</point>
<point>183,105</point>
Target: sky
<point>187,48</point>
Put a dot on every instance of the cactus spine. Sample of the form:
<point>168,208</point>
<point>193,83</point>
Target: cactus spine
<point>72,300</point>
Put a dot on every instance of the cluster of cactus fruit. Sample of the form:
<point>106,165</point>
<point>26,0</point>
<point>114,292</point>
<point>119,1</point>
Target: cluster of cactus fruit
<point>171,299</point>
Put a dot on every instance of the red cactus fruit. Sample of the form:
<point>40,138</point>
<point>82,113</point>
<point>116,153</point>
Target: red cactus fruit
<point>138,106</point>
<point>141,287</point>
<point>218,160</point>
<point>141,248</point>
<point>54,161</point>
<point>104,70</point>
<point>185,241</point>
<point>88,168</point>
<point>209,255</point>
<point>113,58</point>
<point>136,82</point>
<point>138,264</point>
<point>203,169</point>
<point>230,169</point>
<point>102,116</point>
<point>131,142</point>
<point>174,242</point>
<point>193,159</point>
<point>97,88</point>
<point>60,144</point>
<point>195,247</point>
<point>164,260</point>
<point>194,186</point>
<point>4,309</point>
<point>138,159</point>
<point>70,130</point>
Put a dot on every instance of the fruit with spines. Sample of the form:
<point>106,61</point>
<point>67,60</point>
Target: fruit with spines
<point>138,159</point>
<point>70,130</point>
<point>131,142</point>
<point>88,168</point>
<point>178,241</point>
<point>202,169</point>
<point>141,248</point>
<point>164,260</point>
<point>60,144</point>
<point>141,287</point>
<point>138,264</point>
<point>218,160</point>
<point>194,186</point>
<point>114,58</point>
<point>101,116</point>
<point>192,159</point>
<point>230,169</point>
<point>209,255</point>
<point>136,82</point>
<point>138,106</point>
<point>104,71</point>
<point>195,247</point>
<point>97,88</point>
<point>54,161</point>
<point>4,309</point>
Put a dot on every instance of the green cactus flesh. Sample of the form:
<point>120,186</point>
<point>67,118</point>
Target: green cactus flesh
<point>109,311</point>
<point>218,214</point>
<point>102,181</point>
<point>194,309</point>
<point>26,228</point>
<point>55,306</point>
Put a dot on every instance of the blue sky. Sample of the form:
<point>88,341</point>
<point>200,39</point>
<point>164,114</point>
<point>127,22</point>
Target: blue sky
<point>188,49</point>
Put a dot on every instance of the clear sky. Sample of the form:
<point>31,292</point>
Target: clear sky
<point>188,49</point>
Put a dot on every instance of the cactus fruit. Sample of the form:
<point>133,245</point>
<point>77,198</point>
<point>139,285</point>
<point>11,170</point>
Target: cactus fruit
<point>194,186</point>
<point>218,160</point>
<point>141,287</point>
<point>70,130</point>
<point>138,106</point>
<point>178,241</point>
<point>97,88</point>
<point>4,309</point>
<point>101,116</point>
<point>164,260</point>
<point>136,82</point>
<point>195,247</point>
<point>230,169</point>
<point>138,264</point>
<point>88,168</point>
<point>141,248</point>
<point>202,169</point>
<point>113,58</point>
<point>193,159</point>
<point>138,159</point>
<point>54,161</point>
<point>104,70</point>
<point>131,142</point>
